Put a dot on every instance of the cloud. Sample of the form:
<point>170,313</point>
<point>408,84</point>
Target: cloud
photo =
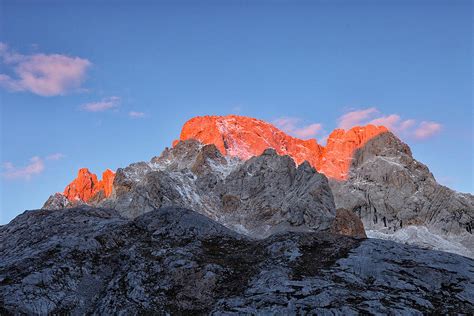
<point>41,74</point>
<point>427,130</point>
<point>134,114</point>
<point>56,156</point>
<point>354,118</point>
<point>101,106</point>
<point>36,166</point>
<point>402,127</point>
<point>294,126</point>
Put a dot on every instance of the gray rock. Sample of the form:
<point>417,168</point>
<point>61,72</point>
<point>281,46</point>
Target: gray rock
<point>56,201</point>
<point>175,261</point>
<point>258,197</point>
<point>390,190</point>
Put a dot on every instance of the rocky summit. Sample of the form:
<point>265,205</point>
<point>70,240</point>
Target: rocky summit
<point>87,187</point>
<point>244,137</point>
<point>238,217</point>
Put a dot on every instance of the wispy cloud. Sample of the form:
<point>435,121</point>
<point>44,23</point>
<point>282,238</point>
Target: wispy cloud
<point>41,74</point>
<point>35,166</point>
<point>101,106</point>
<point>354,118</point>
<point>134,114</point>
<point>427,130</point>
<point>296,127</point>
<point>402,127</point>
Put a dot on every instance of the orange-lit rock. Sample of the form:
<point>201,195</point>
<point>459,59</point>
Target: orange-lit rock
<point>245,137</point>
<point>340,148</point>
<point>86,185</point>
<point>107,182</point>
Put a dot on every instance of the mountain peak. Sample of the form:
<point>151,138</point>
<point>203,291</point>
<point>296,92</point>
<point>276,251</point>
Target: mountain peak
<point>87,185</point>
<point>244,137</point>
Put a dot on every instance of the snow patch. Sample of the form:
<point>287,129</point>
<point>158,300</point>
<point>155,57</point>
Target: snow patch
<point>422,237</point>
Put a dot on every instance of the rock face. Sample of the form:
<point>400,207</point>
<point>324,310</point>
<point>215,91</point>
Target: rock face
<point>244,137</point>
<point>347,223</point>
<point>258,197</point>
<point>175,261</point>
<point>390,190</point>
<point>86,186</point>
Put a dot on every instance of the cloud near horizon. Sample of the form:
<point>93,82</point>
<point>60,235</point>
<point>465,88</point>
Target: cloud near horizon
<point>41,74</point>
<point>35,166</point>
<point>295,127</point>
<point>101,106</point>
<point>405,128</point>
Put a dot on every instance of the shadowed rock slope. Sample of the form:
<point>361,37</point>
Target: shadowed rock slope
<point>175,261</point>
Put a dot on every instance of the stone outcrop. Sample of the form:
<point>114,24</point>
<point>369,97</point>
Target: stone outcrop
<point>258,197</point>
<point>347,223</point>
<point>85,260</point>
<point>86,186</point>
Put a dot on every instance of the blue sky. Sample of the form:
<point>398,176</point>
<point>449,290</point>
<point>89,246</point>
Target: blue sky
<point>102,84</point>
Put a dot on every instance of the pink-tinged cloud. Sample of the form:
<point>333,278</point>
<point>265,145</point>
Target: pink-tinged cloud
<point>407,124</point>
<point>355,118</point>
<point>294,126</point>
<point>427,130</point>
<point>409,128</point>
<point>134,114</point>
<point>389,121</point>
<point>35,167</point>
<point>101,106</point>
<point>45,75</point>
<point>308,131</point>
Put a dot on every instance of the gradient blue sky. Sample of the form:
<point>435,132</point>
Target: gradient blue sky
<point>307,62</point>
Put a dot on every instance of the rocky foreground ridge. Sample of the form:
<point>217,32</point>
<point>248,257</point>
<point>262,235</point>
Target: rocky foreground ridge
<point>175,261</point>
<point>371,174</point>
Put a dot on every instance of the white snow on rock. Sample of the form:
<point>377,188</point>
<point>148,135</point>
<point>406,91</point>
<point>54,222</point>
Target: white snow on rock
<point>422,237</point>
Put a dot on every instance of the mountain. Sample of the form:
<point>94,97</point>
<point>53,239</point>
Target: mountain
<point>371,173</point>
<point>236,220</point>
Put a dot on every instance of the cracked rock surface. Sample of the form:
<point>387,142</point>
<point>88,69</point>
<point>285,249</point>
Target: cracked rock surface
<point>173,260</point>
